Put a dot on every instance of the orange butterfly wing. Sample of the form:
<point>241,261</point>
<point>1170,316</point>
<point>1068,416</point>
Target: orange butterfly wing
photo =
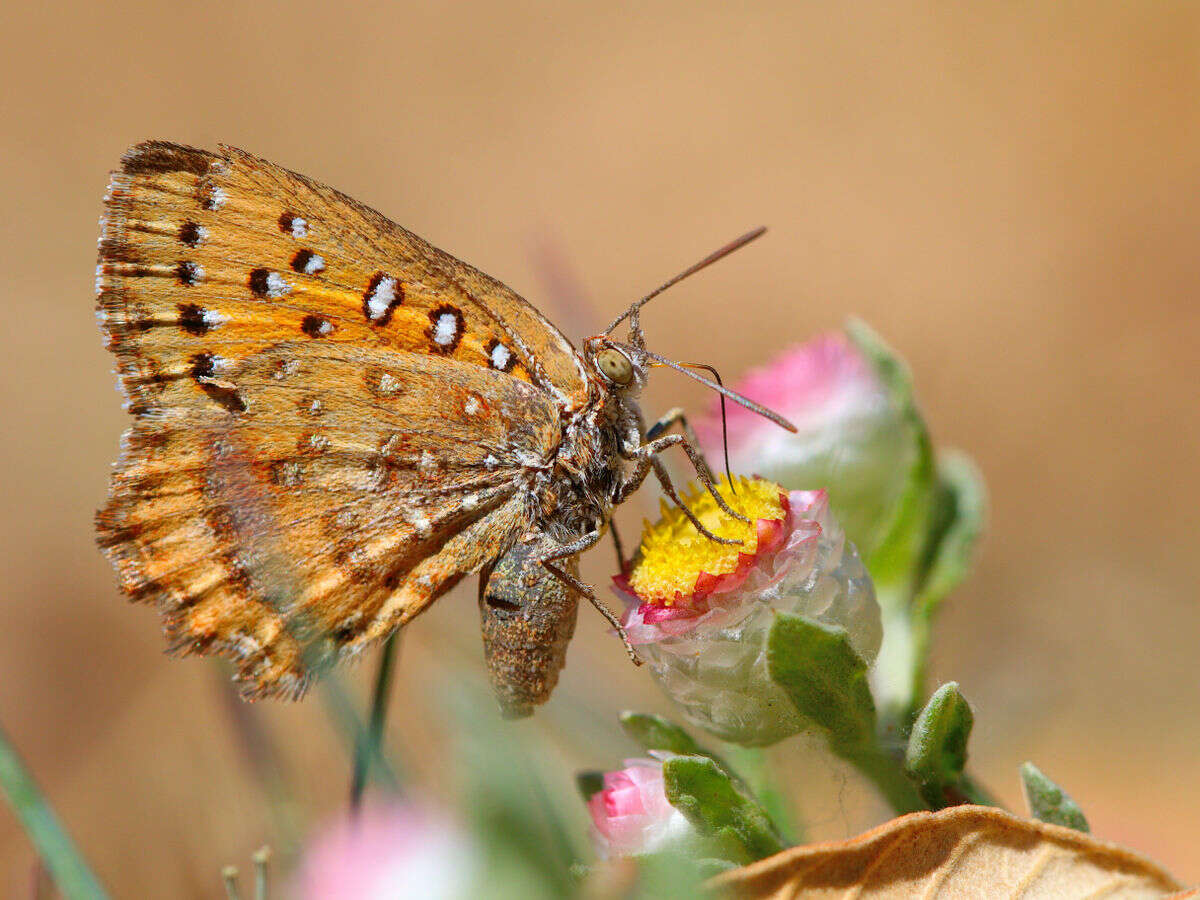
<point>219,255</point>
<point>315,459</point>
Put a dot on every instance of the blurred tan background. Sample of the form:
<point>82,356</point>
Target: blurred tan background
<point>1006,191</point>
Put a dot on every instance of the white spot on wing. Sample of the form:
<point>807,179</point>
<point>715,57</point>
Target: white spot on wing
<point>277,285</point>
<point>490,462</point>
<point>300,229</point>
<point>314,264</point>
<point>500,356</point>
<point>381,298</point>
<point>212,318</point>
<point>446,329</point>
<point>388,383</point>
<point>428,464</point>
<point>471,407</point>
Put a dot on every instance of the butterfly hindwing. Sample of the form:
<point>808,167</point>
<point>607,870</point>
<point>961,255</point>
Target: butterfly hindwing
<point>336,491</point>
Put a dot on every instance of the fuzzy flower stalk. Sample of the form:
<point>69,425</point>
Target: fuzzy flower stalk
<point>701,611</point>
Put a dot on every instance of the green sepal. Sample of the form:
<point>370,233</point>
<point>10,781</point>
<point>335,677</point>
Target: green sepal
<point>825,678</point>
<point>1048,802</point>
<point>718,808</point>
<point>657,733</point>
<point>957,522</point>
<point>937,747</point>
<point>894,561</point>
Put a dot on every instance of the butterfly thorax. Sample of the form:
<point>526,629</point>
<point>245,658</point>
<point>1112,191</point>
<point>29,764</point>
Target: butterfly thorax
<point>587,470</point>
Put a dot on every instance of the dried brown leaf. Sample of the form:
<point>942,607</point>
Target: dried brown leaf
<point>964,851</point>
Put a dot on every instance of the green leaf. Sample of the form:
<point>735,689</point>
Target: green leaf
<point>937,746</point>
<point>889,366</point>
<point>589,783</point>
<point>62,858</point>
<point>525,822</point>
<point>895,559</point>
<point>752,768</point>
<point>959,518</point>
<point>713,803</point>
<point>671,875</point>
<point>1048,802</point>
<point>656,733</point>
<point>825,678</point>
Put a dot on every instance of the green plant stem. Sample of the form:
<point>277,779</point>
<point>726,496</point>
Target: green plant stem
<point>62,858</point>
<point>976,793</point>
<point>886,773</point>
<point>894,675</point>
<point>261,752</point>
<point>368,746</point>
<point>760,777</point>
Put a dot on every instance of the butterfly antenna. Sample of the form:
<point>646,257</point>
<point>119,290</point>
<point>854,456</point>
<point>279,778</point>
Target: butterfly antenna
<point>632,312</point>
<point>719,388</point>
<point>724,425</point>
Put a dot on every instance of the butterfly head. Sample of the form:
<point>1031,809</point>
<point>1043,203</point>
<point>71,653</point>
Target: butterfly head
<point>620,367</point>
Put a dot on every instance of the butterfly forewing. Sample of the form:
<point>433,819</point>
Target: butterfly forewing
<point>206,258</point>
<point>333,417</point>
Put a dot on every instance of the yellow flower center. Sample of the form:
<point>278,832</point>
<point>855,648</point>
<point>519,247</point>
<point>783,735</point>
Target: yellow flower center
<point>673,553</point>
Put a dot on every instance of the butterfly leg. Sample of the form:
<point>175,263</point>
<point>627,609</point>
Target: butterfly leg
<point>645,455</point>
<point>678,417</point>
<point>585,590</point>
<point>647,462</point>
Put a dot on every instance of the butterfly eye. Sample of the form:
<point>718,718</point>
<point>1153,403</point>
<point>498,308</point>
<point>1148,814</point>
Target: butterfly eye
<point>615,366</point>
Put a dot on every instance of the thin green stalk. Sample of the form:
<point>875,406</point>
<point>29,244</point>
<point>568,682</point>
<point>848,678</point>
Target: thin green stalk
<point>886,773</point>
<point>368,746</point>
<point>762,780</point>
<point>62,858</point>
<point>262,754</point>
<point>976,793</point>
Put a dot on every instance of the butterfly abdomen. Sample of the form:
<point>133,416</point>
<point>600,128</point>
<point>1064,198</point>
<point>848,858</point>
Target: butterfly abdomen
<point>528,617</point>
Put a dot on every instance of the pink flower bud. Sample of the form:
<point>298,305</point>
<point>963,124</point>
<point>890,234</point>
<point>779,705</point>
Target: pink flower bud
<point>852,437</point>
<point>631,814</point>
<point>402,850</point>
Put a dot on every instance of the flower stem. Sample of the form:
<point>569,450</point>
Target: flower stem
<point>62,858</point>
<point>367,748</point>
<point>886,773</point>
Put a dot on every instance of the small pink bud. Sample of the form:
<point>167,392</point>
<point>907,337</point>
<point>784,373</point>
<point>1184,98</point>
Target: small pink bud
<point>631,814</point>
<point>401,850</point>
<point>852,438</point>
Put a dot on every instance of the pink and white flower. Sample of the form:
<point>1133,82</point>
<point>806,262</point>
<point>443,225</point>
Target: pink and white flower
<point>401,850</point>
<point>703,625</point>
<point>631,814</point>
<point>852,438</point>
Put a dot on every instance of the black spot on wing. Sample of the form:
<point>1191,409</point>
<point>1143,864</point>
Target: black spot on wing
<point>191,319</point>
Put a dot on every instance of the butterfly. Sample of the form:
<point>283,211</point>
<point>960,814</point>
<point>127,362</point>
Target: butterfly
<point>334,422</point>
